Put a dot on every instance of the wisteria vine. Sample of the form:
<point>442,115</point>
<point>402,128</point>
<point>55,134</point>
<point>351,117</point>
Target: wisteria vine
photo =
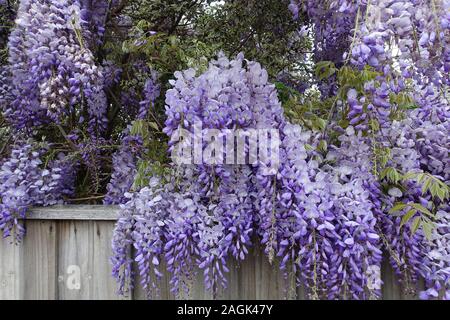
<point>369,182</point>
<point>328,215</point>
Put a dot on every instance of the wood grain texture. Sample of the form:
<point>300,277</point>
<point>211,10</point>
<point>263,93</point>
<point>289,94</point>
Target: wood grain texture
<point>163,291</point>
<point>60,238</point>
<point>75,239</point>
<point>251,279</point>
<point>270,281</point>
<point>85,245</point>
<point>10,271</point>
<point>39,261</point>
<point>75,212</point>
<point>391,289</point>
<point>104,285</point>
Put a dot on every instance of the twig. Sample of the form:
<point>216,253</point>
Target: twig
<point>86,198</point>
<point>63,132</point>
<point>6,143</point>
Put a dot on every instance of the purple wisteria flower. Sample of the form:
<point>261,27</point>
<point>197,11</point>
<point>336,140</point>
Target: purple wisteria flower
<point>25,182</point>
<point>50,67</point>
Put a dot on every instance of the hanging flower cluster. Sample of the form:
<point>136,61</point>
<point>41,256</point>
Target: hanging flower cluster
<point>51,69</point>
<point>132,148</point>
<point>316,218</point>
<point>383,40</point>
<point>328,215</point>
<point>332,24</point>
<point>25,181</point>
<point>419,144</point>
<point>51,80</point>
<point>324,203</point>
<point>221,214</point>
<point>124,164</point>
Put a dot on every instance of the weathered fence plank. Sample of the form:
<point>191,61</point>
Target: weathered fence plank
<point>74,212</point>
<point>67,244</point>
<point>84,247</point>
<point>39,261</point>
<point>74,260</point>
<point>104,286</point>
<point>10,260</point>
<point>269,280</point>
<point>391,289</point>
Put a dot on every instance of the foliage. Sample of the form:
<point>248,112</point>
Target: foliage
<point>91,95</point>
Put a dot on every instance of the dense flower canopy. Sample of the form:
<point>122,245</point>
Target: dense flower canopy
<point>364,165</point>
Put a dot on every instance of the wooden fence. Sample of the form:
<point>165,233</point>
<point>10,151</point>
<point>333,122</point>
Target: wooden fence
<point>67,243</point>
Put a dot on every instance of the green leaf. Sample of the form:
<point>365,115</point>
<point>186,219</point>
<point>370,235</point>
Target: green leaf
<point>426,186</point>
<point>422,209</point>
<point>407,217</point>
<point>374,124</point>
<point>397,207</point>
<point>319,123</point>
<point>421,177</point>
<point>322,146</point>
<point>411,106</point>
<point>427,229</point>
<point>442,195</point>
<point>325,69</point>
<point>410,175</point>
<point>136,127</point>
<point>434,189</point>
<point>430,183</point>
<point>391,174</point>
<point>154,125</point>
<point>415,224</point>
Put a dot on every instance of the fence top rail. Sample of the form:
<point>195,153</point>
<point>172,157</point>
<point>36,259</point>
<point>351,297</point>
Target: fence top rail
<point>74,212</point>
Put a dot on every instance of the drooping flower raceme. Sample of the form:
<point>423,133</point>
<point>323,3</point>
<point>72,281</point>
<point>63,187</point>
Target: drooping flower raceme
<point>51,68</point>
<point>124,166</point>
<point>324,212</point>
<point>332,23</point>
<point>125,160</point>
<point>26,182</point>
<point>318,219</point>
